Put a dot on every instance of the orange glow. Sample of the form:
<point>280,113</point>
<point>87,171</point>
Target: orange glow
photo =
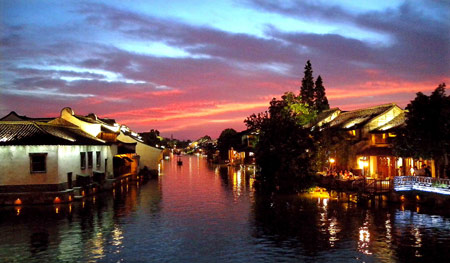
<point>402,198</point>
<point>57,200</point>
<point>332,160</point>
<point>70,198</point>
<point>417,197</point>
<point>18,201</point>
<point>82,193</point>
<point>18,209</point>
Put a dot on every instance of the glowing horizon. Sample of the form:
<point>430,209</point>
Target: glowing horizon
<point>191,68</point>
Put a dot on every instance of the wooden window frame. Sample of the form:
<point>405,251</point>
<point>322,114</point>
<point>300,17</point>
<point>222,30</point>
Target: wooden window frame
<point>90,159</point>
<point>82,160</point>
<point>31,155</point>
<point>98,159</point>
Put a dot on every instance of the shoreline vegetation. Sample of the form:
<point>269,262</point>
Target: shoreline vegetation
<point>292,147</point>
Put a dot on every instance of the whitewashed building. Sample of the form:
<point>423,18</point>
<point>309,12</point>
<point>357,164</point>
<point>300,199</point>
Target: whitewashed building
<point>39,157</point>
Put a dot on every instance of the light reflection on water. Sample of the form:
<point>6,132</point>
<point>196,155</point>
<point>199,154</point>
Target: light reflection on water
<point>198,212</point>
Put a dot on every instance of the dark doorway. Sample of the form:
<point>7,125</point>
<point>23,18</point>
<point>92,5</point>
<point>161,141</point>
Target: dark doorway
<point>69,180</point>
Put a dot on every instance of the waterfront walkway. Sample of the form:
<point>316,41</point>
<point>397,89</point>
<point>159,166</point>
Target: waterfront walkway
<point>422,183</point>
<point>398,184</point>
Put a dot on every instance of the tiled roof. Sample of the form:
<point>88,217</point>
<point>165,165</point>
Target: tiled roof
<point>85,119</point>
<point>322,116</point>
<point>396,122</point>
<point>360,117</point>
<point>108,121</point>
<point>39,133</point>
<point>107,125</point>
<point>13,116</point>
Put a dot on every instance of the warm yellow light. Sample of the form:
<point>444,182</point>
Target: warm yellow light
<point>70,198</point>
<point>417,197</point>
<point>332,160</point>
<point>361,164</point>
<point>18,201</point>
<point>402,198</point>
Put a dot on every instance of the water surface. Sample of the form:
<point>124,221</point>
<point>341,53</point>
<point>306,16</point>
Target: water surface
<point>204,213</point>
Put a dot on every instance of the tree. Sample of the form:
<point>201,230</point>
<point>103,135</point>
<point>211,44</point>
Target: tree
<point>228,138</point>
<point>307,88</point>
<point>151,138</point>
<point>285,145</point>
<point>320,99</point>
<point>427,131</point>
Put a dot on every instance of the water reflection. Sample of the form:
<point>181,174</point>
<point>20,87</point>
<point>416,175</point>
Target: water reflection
<point>201,212</point>
<point>364,237</point>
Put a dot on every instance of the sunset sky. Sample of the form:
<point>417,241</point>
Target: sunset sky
<point>191,68</point>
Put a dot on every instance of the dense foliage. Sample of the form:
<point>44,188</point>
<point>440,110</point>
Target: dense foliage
<point>285,147</point>
<point>307,88</point>
<point>313,93</point>
<point>320,99</point>
<point>289,148</point>
<point>152,138</point>
<point>228,138</point>
<point>427,131</point>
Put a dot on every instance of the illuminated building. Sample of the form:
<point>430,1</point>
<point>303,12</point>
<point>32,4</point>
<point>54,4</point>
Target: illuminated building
<point>44,157</point>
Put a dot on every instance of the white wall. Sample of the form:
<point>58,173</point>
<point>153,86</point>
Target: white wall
<point>69,160</point>
<point>61,159</point>
<point>15,165</point>
<point>149,156</point>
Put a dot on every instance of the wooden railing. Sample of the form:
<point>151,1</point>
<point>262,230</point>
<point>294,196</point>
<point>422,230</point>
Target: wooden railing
<point>422,183</point>
<point>377,186</point>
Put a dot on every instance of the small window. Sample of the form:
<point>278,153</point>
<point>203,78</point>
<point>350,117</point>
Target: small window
<point>83,161</point>
<point>38,162</point>
<point>90,160</point>
<point>98,159</point>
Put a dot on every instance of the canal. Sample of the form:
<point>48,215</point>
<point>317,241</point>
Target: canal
<point>201,213</point>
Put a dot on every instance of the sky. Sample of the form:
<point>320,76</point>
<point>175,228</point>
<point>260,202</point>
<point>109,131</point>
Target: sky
<point>190,68</point>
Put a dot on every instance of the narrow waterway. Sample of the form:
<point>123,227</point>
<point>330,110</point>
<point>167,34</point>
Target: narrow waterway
<point>202,213</point>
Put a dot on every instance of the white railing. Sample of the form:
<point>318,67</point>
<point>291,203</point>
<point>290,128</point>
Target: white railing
<point>421,183</point>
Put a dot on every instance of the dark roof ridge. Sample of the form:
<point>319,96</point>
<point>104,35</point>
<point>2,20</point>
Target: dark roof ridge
<point>373,107</point>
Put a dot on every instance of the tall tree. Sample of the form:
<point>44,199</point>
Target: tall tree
<point>307,88</point>
<point>320,99</point>
<point>285,146</point>
<point>152,137</point>
<point>228,138</point>
<point>427,131</point>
